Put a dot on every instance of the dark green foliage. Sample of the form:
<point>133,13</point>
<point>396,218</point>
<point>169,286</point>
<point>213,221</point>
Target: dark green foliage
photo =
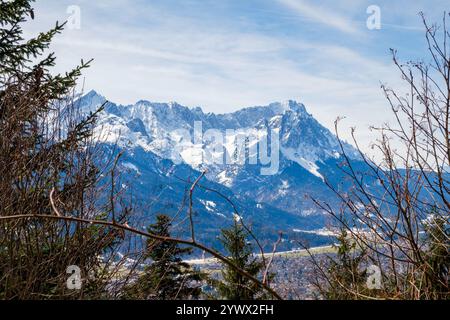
<point>167,277</point>
<point>235,286</point>
<point>437,257</point>
<point>36,156</point>
<point>345,276</point>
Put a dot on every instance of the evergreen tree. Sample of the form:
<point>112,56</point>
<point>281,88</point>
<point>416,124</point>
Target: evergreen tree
<point>44,147</point>
<point>436,256</point>
<point>345,275</point>
<point>167,277</point>
<point>235,286</point>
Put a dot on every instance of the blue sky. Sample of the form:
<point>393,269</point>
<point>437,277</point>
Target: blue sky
<point>223,55</point>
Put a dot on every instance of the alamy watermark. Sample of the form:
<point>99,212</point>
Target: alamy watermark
<point>74,281</point>
<point>374,278</point>
<point>230,146</point>
<point>373,22</point>
<point>74,19</point>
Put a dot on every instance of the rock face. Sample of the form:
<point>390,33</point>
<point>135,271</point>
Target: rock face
<point>168,144</point>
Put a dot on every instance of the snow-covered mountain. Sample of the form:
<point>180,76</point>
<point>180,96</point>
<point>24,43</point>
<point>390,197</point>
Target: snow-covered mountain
<point>154,126</point>
<point>174,138</point>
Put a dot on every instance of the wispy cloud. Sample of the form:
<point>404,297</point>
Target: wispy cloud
<point>230,55</point>
<point>320,15</point>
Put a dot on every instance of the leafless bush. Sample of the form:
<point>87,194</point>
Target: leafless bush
<point>398,208</point>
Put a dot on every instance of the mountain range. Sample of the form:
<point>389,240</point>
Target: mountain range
<point>159,164</point>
